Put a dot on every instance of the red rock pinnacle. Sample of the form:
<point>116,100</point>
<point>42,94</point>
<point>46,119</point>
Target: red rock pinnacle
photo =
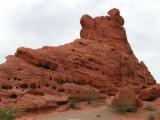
<point>100,62</point>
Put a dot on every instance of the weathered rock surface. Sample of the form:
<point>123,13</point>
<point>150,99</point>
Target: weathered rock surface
<point>126,97</point>
<point>100,62</point>
<point>150,93</point>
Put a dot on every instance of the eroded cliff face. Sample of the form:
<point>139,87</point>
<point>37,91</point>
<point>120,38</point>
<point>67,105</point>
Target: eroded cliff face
<point>100,62</point>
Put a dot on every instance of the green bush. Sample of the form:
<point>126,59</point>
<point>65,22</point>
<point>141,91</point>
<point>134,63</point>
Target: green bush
<point>91,97</point>
<point>9,113</point>
<point>73,102</point>
<point>122,108</point>
<point>123,105</point>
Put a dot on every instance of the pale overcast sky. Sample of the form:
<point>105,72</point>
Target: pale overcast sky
<point>35,23</point>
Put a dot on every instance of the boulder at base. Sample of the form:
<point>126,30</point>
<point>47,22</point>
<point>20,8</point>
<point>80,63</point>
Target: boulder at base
<point>125,100</point>
<point>150,93</point>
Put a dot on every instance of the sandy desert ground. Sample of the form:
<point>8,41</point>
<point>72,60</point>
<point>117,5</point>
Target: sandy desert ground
<point>90,112</point>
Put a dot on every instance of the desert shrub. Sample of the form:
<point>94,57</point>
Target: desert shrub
<point>91,97</point>
<point>150,117</point>
<point>73,102</point>
<point>123,105</point>
<point>122,108</point>
<point>9,113</point>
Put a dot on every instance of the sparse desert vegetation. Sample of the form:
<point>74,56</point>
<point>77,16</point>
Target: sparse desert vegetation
<point>122,107</point>
<point>124,101</point>
<point>10,113</point>
<point>90,97</point>
<point>73,102</point>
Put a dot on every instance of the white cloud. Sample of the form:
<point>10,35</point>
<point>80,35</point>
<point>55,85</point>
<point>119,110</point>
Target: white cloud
<point>35,23</point>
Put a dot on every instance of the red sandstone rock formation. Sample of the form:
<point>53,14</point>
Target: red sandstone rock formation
<point>150,93</point>
<point>100,62</point>
<point>126,98</point>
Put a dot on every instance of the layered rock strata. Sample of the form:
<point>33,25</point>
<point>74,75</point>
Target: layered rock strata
<point>100,62</point>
